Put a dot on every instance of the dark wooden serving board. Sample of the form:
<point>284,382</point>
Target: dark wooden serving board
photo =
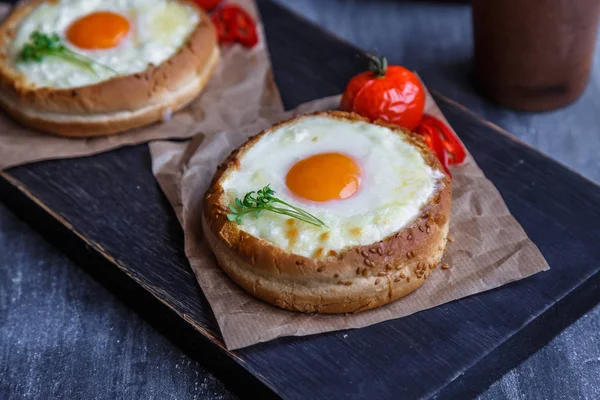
<point>108,214</point>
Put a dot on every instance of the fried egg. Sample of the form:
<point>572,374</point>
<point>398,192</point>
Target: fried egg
<point>364,181</point>
<point>125,35</point>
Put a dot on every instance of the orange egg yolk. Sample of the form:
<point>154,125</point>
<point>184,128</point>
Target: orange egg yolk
<point>324,177</point>
<point>98,30</point>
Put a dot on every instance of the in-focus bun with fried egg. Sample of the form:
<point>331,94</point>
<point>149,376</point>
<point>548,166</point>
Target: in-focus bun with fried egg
<point>380,191</point>
<point>150,58</point>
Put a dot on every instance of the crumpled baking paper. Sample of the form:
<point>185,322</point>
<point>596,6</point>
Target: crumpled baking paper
<point>490,248</point>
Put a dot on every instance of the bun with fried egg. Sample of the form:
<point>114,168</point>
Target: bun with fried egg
<point>150,59</point>
<point>381,192</point>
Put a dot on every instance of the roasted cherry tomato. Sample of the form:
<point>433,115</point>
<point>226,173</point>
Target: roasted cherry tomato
<point>391,93</point>
<point>207,4</point>
<point>235,24</point>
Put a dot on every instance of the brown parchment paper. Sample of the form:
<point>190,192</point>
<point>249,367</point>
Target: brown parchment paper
<point>490,247</point>
<point>239,92</point>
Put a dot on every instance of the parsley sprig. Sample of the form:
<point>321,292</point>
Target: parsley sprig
<point>264,200</point>
<point>41,45</point>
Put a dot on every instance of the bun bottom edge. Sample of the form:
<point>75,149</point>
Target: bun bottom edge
<point>328,298</point>
<point>91,125</point>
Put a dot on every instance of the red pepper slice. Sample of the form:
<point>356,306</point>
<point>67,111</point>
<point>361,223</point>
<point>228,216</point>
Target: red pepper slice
<point>225,33</point>
<point>434,142</point>
<point>247,35</point>
<point>240,26</point>
<point>454,147</point>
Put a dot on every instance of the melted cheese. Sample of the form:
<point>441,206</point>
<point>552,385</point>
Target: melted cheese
<point>396,182</point>
<point>158,29</point>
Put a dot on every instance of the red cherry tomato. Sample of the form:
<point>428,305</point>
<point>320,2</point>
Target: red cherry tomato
<point>391,93</point>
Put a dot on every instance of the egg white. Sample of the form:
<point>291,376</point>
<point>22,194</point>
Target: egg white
<point>395,184</point>
<point>158,28</point>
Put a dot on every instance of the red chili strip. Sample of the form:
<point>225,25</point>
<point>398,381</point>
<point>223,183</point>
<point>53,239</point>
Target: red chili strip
<point>225,33</point>
<point>434,142</point>
<point>454,147</point>
<point>235,24</point>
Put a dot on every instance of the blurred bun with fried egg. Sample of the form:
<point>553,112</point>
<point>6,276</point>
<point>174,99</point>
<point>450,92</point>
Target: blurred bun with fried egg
<point>147,59</point>
<point>381,194</point>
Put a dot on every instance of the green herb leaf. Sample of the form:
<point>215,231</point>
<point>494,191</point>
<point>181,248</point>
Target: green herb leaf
<point>41,45</point>
<point>231,217</point>
<point>265,200</point>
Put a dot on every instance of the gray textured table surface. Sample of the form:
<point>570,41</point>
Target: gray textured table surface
<point>62,335</point>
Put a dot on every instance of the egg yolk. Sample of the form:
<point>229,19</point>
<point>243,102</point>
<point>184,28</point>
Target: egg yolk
<point>98,30</point>
<point>324,177</point>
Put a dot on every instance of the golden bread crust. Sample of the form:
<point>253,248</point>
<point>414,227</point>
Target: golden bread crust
<point>355,279</point>
<point>38,107</point>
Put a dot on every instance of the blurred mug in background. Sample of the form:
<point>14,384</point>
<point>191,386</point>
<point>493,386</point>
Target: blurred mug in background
<point>534,55</point>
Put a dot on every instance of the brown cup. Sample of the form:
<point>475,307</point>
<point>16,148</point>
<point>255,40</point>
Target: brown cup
<point>534,55</point>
